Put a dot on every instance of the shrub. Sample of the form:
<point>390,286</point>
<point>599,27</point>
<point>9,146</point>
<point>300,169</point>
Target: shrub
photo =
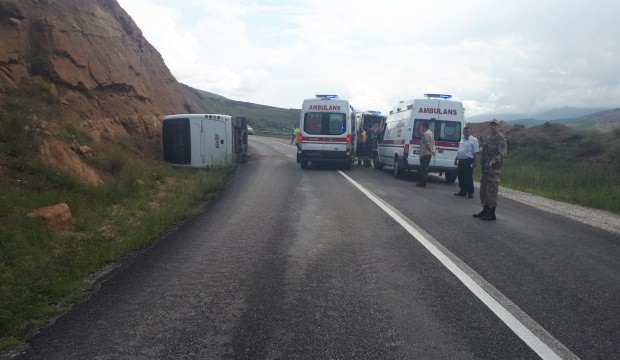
<point>68,131</point>
<point>113,162</point>
<point>590,144</point>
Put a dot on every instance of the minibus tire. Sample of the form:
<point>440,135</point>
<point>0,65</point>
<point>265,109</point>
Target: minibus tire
<point>304,164</point>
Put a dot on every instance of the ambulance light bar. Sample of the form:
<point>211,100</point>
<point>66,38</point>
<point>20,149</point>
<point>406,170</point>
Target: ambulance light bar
<point>320,96</point>
<point>440,96</point>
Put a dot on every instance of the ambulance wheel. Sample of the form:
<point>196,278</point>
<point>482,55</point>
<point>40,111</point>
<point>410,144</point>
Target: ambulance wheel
<point>398,172</point>
<point>376,163</point>
<point>304,164</point>
<point>450,177</point>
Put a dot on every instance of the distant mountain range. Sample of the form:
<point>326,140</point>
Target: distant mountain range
<point>269,118</point>
<point>577,118</point>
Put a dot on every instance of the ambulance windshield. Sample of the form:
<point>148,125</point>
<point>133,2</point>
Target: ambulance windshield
<point>324,123</point>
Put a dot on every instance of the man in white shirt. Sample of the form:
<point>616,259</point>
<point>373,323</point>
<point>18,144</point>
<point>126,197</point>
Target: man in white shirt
<point>466,162</point>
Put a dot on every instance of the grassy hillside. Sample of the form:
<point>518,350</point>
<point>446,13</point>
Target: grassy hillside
<point>260,117</point>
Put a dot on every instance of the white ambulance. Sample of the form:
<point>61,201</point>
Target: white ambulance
<point>400,145</point>
<point>326,131</point>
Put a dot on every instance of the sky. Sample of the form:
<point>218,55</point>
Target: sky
<point>509,56</point>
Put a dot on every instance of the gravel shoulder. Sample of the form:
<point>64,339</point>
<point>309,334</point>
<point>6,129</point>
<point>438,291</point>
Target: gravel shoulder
<point>598,218</point>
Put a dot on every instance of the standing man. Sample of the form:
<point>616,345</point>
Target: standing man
<point>362,138</point>
<point>369,145</point>
<point>493,152</point>
<point>466,162</point>
<point>427,149</point>
<point>295,134</point>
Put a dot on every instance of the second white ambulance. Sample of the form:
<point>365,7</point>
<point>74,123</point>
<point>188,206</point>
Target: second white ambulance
<point>326,131</point>
<point>400,146</point>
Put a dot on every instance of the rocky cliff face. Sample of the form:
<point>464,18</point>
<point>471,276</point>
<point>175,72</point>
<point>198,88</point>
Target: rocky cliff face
<point>93,59</point>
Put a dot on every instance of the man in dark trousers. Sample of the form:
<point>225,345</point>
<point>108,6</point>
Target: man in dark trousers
<point>494,150</point>
<point>427,150</point>
<point>466,162</point>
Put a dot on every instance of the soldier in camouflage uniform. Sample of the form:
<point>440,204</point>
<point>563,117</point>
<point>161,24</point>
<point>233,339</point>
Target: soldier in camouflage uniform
<point>492,155</point>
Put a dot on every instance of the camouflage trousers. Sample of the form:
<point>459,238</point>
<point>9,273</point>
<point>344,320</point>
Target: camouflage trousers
<point>489,186</point>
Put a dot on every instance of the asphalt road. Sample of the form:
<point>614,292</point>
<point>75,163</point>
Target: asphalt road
<point>324,264</point>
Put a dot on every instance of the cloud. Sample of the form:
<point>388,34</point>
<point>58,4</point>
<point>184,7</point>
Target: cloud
<point>521,56</point>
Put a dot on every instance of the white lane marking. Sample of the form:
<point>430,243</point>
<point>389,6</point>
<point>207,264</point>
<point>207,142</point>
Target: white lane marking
<point>532,333</point>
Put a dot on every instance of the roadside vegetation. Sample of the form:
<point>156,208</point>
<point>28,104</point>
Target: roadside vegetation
<point>575,166</point>
<point>43,270</point>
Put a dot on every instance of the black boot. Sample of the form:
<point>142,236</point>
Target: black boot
<point>490,215</point>
<point>485,210</point>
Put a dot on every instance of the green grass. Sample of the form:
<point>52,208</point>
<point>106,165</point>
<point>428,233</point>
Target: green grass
<point>579,167</point>
<point>591,185</point>
<point>42,271</point>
